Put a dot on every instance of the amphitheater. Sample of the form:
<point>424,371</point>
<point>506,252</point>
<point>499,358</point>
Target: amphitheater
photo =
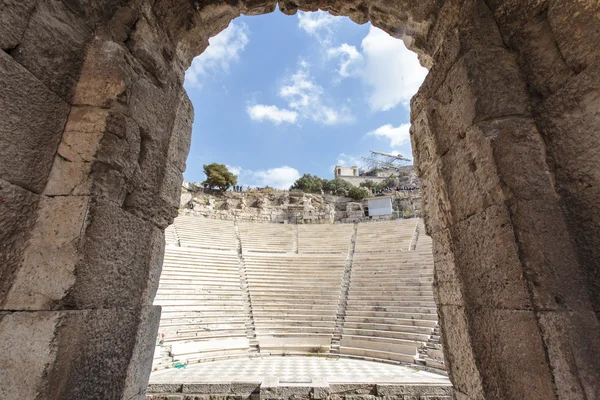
<point>297,305</point>
<point>94,136</point>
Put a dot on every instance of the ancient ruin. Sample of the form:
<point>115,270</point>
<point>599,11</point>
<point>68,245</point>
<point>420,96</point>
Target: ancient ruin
<point>232,290</point>
<point>95,130</point>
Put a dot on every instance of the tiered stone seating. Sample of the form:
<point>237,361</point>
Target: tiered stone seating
<point>295,284</point>
<point>294,300</point>
<point>202,306</point>
<point>324,238</point>
<point>385,236</point>
<point>390,312</point>
<point>171,238</point>
<point>267,238</point>
<point>205,233</point>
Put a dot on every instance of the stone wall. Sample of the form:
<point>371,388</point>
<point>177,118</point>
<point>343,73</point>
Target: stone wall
<point>96,128</point>
<point>288,207</point>
<point>272,389</point>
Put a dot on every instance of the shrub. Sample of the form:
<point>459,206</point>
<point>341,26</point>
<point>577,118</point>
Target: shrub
<point>358,193</point>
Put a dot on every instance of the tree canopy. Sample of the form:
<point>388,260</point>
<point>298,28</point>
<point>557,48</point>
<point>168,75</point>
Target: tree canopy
<point>218,177</point>
<point>358,193</point>
<point>309,183</point>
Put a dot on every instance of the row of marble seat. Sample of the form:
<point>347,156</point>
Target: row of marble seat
<point>331,238</point>
<point>294,300</point>
<point>294,295</point>
<point>267,238</point>
<point>202,303</point>
<point>205,233</point>
<point>390,312</point>
<point>385,236</point>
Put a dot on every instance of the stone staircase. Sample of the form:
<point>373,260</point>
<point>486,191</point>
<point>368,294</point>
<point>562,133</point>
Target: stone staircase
<point>236,289</point>
<point>341,313</point>
<point>432,355</point>
<point>250,328</point>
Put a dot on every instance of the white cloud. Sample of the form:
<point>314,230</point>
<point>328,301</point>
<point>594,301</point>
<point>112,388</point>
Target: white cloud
<point>349,160</point>
<point>397,136</point>
<point>223,49</point>
<point>306,100</point>
<point>279,178</point>
<point>350,59</point>
<point>233,169</point>
<point>319,24</point>
<point>392,72</point>
<point>261,112</point>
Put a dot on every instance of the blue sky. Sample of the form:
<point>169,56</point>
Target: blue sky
<point>278,96</point>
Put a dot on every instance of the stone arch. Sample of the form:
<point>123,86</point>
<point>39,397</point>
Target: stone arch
<point>95,132</point>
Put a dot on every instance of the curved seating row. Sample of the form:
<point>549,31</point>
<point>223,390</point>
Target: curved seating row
<point>290,298</point>
<point>202,305</point>
<point>267,238</point>
<point>294,300</point>
<point>330,238</point>
<point>205,233</point>
<point>390,312</point>
<point>385,236</point>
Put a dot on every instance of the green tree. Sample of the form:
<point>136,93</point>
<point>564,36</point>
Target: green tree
<point>358,193</point>
<point>369,184</point>
<point>218,177</point>
<point>309,183</point>
<point>338,186</point>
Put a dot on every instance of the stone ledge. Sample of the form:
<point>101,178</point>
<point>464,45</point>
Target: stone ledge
<point>319,388</point>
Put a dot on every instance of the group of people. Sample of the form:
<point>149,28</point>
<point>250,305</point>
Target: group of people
<point>389,189</point>
<point>241,188</point>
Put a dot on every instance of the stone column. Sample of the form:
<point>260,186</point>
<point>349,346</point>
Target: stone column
<point>510,290</point>
<point>93,146</point>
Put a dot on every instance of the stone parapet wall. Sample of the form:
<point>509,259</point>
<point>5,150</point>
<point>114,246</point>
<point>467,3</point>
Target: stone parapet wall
<point>272,389</point>
<point>290,207</point>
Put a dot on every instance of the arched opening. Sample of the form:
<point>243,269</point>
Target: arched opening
<point>310,293</point>
<point>94,147</point>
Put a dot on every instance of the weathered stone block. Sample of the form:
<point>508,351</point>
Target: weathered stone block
<point>31,128</point>
<point>519,154</point>
<point>525,27</point>
<point>572,354</point>
<point>549,260</point>
<point>105,75</point>
<point>53,46</point>
<point>418,391</point>
<point>458,351</point>
<point>447,288</point>
<point>17,216</point>
<point>509,344</point>
<point>75,259</point>
<point>14,16</point>
<point>62,349</point>
<point>117,270</point>
<point>26,342</point>
<point>93,343</point>
<point>576,25</point>
<point>52,253</point>
<point>181,137</point>
<point>464,98</point>
<point>435,204</point>
<point>470,176</point>
<point>165,388</point>
<point>489,267</point>
<point>569,120</point>
<point>152,48</point>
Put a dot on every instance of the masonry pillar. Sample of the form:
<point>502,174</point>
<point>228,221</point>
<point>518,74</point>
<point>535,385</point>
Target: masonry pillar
<point>516,317</point>
<point>93,145</point>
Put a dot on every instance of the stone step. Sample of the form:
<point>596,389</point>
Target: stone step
<point>377,354</point>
